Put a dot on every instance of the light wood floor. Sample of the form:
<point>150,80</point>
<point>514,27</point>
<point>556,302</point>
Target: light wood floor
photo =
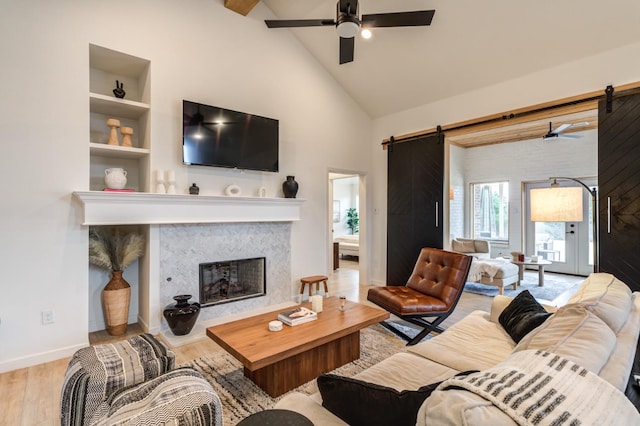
<point>31,396</point>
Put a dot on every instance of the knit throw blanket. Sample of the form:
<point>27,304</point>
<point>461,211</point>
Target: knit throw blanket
<point>490,267</point>
<point>541,388</point>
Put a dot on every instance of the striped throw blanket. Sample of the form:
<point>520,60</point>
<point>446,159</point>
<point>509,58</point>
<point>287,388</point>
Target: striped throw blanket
<point>541,388</point>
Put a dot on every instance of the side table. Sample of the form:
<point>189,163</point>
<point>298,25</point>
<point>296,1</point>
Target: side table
<point>276,417</point>
<point>527,262</point>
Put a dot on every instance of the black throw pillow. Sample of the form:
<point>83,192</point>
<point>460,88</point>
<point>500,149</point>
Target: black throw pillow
<point>362,403</point>
<point>522,315</point>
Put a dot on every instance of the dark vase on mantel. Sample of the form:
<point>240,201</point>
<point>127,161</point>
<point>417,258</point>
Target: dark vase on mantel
<point>182,315</point>
<point>290,187</point>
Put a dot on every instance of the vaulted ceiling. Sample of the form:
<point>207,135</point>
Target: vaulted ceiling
<point>470,44</point>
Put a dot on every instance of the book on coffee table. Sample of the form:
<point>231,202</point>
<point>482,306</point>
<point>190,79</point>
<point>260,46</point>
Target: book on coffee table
<point>297,316</point>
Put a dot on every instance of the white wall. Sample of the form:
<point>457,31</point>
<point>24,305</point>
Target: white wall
<point>198,51</point>
<point>617,67</point>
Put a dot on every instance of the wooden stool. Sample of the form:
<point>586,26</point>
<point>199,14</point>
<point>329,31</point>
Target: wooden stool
<point>316,279</point>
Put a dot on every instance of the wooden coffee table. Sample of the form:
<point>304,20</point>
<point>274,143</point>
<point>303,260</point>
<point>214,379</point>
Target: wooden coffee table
<point>279,361</point>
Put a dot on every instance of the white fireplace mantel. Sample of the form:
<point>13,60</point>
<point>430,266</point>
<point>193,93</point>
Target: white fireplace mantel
<point>136,208</point>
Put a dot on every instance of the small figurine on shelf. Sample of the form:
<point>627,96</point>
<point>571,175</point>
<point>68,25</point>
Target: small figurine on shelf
<point>119,90</point>
<point>126,136</point>
<point>113,124</point>
<point>194,190</point>
<point>171,182</point>
<point>160,188</point>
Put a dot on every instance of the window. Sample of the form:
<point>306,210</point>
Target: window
<point>491,211</point>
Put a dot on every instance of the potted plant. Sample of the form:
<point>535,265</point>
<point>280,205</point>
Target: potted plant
<point>113,249</point>
<point>353,222</point>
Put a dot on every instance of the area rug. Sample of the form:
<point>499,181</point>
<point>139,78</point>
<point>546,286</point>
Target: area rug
<point>554,286</point>
<point>241,397</point>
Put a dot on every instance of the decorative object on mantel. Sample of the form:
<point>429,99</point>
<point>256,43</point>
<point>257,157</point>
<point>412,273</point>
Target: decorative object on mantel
<point>262,192</point>
<point>290,187</point>
<point>194,190</point>
<point>115,178</point>
<point>171,182</point>
<point>160,189</point>
<point>113,125</point>
<point>114,250</point>
<point>119,92</point>
<point>233,191</point>
<point>126,136</point>
<point>182,315</point>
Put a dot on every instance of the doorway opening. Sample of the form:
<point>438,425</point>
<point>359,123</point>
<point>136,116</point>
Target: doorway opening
<point>347,218</point>
<point>568,245</point>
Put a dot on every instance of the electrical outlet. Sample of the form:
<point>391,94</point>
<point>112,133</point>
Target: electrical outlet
<point>47,317</point>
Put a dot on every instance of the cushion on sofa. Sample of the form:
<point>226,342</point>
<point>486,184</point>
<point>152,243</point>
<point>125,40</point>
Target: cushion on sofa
<point>500,302</point>
<point>572,332</point>
<point>363,403</point>
<point>463,246</point>
<point>522,315</point>
<point>607,297</point>
<point>473,343</point>
<point>616,370</point>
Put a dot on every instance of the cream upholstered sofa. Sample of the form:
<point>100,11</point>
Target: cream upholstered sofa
<point>348,245</point>
<point>593,337</point>
<point>470,247</point>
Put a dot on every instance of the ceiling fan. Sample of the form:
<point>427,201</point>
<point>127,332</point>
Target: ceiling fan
<point>557,132</point>
<point>348,23</point>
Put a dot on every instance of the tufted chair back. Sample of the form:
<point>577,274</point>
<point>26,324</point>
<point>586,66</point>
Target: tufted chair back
<point>440,274</point>
<point>432,291</point>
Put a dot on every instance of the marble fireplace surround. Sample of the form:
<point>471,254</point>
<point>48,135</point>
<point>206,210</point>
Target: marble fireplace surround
<point>186,230</point>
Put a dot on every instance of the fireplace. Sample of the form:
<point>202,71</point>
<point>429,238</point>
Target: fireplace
<point>231,280</point>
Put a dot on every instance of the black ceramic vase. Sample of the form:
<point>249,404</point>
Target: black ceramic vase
<point>182,315</point>
<point>290,187</point>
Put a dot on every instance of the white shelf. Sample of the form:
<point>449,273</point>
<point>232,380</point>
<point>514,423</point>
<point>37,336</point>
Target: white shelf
<point>137,208</point>
<point>109,105</point>
<point>115,151</point>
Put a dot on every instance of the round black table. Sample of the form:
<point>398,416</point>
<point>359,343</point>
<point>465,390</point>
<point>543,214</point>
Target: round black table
<point>276,417</point>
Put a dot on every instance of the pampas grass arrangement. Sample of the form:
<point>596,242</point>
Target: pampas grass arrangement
<point>113,249</point>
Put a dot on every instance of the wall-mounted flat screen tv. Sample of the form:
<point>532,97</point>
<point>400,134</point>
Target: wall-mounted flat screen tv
<point>220,137</point>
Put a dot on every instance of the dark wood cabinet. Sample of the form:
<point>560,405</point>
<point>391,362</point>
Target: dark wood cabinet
<point>415,179</point>
<point>619,189</point>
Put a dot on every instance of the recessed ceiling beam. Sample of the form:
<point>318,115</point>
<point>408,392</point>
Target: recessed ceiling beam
<point>243,7</point>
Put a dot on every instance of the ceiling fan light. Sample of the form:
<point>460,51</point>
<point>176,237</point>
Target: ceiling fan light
<point>347,29</point>
<point>366,33</point>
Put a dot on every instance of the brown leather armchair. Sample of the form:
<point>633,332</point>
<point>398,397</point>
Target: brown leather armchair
<point>432,291</point>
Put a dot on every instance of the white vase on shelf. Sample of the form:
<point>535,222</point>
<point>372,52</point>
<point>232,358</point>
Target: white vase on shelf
<point>115,178</point>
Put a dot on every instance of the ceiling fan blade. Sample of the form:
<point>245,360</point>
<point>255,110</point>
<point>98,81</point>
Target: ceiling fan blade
<point>398,19</point>
<point>294,23</point>
<point>347,46</point>
<point>562,128</point>
<point>570,136</point>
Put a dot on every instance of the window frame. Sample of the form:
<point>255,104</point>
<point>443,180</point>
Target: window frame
<point>473,207</point>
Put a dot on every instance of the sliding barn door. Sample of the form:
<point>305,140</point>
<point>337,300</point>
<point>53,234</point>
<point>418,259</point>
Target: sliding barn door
<point>619,187</point>
<point>415,173</point>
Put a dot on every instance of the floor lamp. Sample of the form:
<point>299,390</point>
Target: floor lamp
<point>564,204</point>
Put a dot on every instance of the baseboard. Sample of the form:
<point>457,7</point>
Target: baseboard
<point>40,358</point>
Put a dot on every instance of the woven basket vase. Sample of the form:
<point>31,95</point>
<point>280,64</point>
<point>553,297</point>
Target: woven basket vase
<point>115,299</point>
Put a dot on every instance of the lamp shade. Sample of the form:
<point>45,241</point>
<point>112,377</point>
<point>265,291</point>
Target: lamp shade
<point>556,204</point>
